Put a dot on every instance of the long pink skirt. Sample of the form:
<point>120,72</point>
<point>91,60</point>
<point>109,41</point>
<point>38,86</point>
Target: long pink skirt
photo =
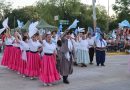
<point>15,59</point>
<point>48,72</point>
<point>6,56</point>
<point>33,65</point>
<point>23,65</point>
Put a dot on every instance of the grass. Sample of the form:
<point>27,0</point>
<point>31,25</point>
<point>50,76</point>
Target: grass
<point>117,53</point>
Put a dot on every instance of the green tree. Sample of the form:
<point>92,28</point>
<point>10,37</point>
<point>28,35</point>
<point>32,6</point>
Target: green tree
<point>5,8</point>
<point>69,10</point>
<point>122,9</point>
<point>23,14</point>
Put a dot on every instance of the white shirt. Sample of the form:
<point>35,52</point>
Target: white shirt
<point>9,41</point>
<point>16,44</point>
<point>83,45</point>
<point>70,45</point>
<point>75,43</point>
<point>100,43</point>
<point>54,40</point>
<point>34,45</point>
<point>24,45</point>
<point>91,41</point>
<point>49,47</point>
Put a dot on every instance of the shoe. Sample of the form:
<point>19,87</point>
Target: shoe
<point>23,76</point>
<point>91,63</point>
<point>31,78</point>
<point>102,65</point>
<point>49,84</point>
<point>97,64</point>
<point>44,84</point>
<point>84,65</point>
<point>66,81</point>
<point>75,64</point>
<point>18,73</point>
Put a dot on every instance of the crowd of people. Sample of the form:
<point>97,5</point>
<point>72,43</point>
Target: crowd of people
<point>51,56</point>
<point>119,40</point>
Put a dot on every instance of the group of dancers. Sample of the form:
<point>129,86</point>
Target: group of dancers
<point>52,56</point>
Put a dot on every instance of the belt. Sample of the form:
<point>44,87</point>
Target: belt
<point>27,50</point>
<point>70,52</point>
<point>48,54</point>
<point>8,45</point>
<point>18,47</point>
<point>34,51</point>
<point>102,49</point>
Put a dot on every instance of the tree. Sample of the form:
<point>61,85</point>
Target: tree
<point>122,9</point>
<point>23,14</point>
<point>70,10</point>
<point>5,8</point>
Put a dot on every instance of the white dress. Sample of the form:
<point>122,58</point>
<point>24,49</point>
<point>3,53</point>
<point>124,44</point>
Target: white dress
<point>82,52</point>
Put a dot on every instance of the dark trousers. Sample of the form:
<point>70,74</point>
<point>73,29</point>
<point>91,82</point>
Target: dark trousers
<point>91,54</point>
<point>65,78</point>
<point>100,57</point>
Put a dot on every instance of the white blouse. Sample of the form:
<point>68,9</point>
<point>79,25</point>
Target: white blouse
<point>76,44</point>
<point>91,41</point>
<point>54,40</point>
<point>9,41</point>
<point>100,43</point>
<point>48,47</point>
<point>70,45</point>
<point>24,45</point>
<point>16,44</point>
<point>83,45</point>
<point>34,45</point>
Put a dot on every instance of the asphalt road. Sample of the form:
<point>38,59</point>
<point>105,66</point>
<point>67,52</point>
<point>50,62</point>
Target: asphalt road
<point>114,76</point>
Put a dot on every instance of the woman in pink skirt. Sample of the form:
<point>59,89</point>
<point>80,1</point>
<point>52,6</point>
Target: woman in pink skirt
<point>48,72</point>
<point>15,57</point>
<point>25,52</point>
<point>34,61</point>
<point>8,49</point>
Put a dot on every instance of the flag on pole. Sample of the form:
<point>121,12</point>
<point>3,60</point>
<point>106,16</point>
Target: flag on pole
<point>90,30</point>
<point>74,24</point>
<point>76,31</point>
<point>60,29</point>
<point>5,23</point>
<point>20,24</point>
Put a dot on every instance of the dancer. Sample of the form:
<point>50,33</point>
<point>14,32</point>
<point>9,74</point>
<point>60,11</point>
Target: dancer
<point>91,47</point>
<point>34,61</point>
<point>48,72</point>
<point>83,51</point>
<point>66,61</point>
<point>100,50</point>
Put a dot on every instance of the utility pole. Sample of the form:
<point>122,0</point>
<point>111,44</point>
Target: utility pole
<point>14,23</point>
<point>94,15</point>
<point>108,18</point>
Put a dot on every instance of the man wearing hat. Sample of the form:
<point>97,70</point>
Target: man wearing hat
<point>66,61</point>
<point>100,49</point>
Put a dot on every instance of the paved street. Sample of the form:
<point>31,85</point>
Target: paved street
<point>114,76</point>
